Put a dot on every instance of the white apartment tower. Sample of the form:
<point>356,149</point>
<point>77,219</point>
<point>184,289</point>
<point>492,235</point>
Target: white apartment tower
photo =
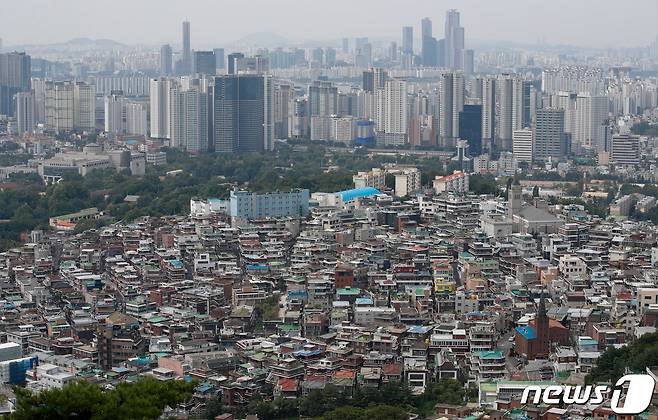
<point>510,109</point>
<point>114,113</point>
<point>395,109</point>
<point>160,108</point>
<point>136,119</point>
<point>590,125</point>
<point>189,119</point>
<point>451,103</point>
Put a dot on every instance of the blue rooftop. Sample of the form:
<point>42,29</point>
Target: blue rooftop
<point>349,195</point>
<point>527,332</point>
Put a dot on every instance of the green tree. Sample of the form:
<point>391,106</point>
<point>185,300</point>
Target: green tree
<point>144,399</point>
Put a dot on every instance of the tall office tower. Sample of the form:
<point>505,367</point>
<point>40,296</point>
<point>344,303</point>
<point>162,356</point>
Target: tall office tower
<point>232,58</point>
<point>510,106</point>
<point>488,112</point>
<point>187,50</point>
<point>330,57</point>
<point>189,117</point>
<point>454,36</point>
<point>84,107</point>
<point>393,51</point>
<point>136,119</point>
<point>363,57</point>
<point>550,140</point>
<point>428,44</point>
<point>591,118</point>
<point>283,98</point>
<point>114,113</point>
<point>469,63</point>
<point>530,87</point>
<point>374,79</point>
<point>15,74</point>
<point>25,118</point>
<point>392,118</point>
<point>160,108</point>
<point>322,103</point>
<point>317,56</point>
<point>243,113</point>
<point>625,149</point>
<point>204,63</point>
<point>470,128</point>
<point>441,52</point>
<point>220,60</point>
<point>522,145</point>
<point>451,103</point>
<point>166,60</point>
<point>346,45</point>
<point>360,43</point>
<point>408,39</point>
<point>59,106</point>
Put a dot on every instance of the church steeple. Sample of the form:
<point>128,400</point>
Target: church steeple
<point>541,312</point>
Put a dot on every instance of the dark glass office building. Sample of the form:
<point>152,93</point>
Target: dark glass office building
<point>243,113</point>
<point>205,63</point>
<point>470,128</point>
<point>15,74</point>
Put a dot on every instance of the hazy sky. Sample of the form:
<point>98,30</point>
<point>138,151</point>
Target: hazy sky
<point>599,23</point>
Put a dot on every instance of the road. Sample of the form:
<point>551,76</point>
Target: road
<point>505,345</point>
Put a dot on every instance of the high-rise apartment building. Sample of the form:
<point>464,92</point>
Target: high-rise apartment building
<point>550,141</point>
<point>523,145</point>
<point>488,112</point>
<point>510,109</point>
<point>189,116</point>
<point>115,118</point>
<point>591,121</point>
<point>136,119</point>
<point>283,99</point>
<point>160,108</point>
<point>322,104</point>
<point>84,113</point>
<point>451,103</point>
<point>59,106</point>
<point>392,108</point>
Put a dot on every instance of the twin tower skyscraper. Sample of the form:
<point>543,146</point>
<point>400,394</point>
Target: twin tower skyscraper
<point>448,52</point>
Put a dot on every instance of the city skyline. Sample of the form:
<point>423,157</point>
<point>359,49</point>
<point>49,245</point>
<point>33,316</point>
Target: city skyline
<point>523,22</point>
